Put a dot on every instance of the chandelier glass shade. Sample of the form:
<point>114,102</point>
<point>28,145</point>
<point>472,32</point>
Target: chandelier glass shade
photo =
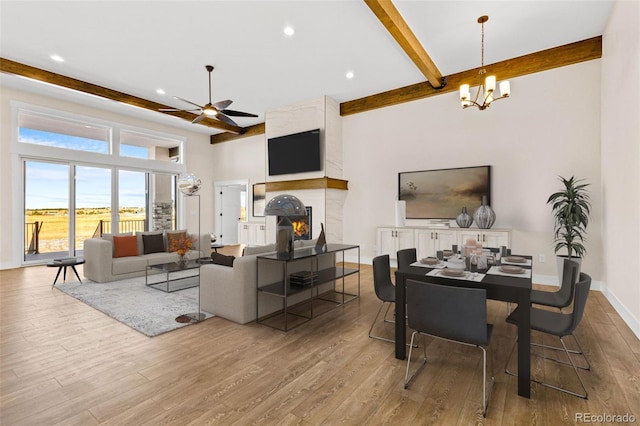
<point>486,93</point>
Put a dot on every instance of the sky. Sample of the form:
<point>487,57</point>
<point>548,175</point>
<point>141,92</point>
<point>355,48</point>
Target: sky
<point>47,184</point>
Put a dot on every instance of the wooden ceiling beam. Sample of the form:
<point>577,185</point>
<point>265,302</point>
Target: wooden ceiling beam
<point>389,16</point>
<point>256,129</point>
<point>543,60</point>
<point>12,67</point>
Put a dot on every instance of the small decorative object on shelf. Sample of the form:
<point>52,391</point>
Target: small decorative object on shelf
<point>189,184</point>
<point>464,219</point>
<point>484,215</point>
<point>321,244</point>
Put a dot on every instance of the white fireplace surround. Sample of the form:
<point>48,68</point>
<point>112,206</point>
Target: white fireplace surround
<point>327,203</point>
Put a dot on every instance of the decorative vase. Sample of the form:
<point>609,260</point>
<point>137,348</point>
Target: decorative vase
<point>464,219</point>
<point>484,215</point>
<point>182,260</point>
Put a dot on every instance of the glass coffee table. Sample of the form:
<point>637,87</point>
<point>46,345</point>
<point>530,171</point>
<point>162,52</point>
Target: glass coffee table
<point>176,277</point>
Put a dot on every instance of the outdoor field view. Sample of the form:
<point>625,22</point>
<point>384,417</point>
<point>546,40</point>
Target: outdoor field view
<point>47,205</point>
<point>52,227</point>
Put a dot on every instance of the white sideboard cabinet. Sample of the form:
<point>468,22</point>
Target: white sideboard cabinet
<point>488,237</point>
<point>390,240</point>
<point>252,233</point>
<point>428,241</point>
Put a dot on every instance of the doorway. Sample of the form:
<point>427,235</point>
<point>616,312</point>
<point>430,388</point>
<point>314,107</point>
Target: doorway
<point>231,208</point>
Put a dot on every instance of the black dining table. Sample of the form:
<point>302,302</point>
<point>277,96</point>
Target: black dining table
<point>511,288</point>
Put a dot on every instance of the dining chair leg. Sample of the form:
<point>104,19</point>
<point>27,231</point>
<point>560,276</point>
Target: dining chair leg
<point>407,379</point>
<point>575,369</point>
<point>555,348</point>
<point>374,323</point>
<point>387,313</point>
<point>486,398</point>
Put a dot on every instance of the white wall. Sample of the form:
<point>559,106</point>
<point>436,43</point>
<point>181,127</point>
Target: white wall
<point>621,159</point>
<point>549,127</point>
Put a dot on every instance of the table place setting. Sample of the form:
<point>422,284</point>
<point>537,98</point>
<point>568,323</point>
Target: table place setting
<point>429,262</point>
<point>456,274</point>
<point>510,271</point>
<point>515,260</point>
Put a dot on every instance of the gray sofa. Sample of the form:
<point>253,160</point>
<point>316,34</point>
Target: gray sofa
<point>231,292</point>
<point>101,266</point>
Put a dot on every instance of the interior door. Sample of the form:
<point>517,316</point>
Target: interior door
<point>231,203</point>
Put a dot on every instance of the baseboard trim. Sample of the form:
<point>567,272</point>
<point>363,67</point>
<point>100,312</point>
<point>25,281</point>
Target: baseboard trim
<point>622,310</point>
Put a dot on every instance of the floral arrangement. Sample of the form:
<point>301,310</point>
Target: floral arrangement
<point>181,244</point>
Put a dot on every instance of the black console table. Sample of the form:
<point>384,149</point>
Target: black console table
<point>306,260</point>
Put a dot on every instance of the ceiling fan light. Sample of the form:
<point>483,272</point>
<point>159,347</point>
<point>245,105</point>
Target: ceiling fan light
<point>210,112</point>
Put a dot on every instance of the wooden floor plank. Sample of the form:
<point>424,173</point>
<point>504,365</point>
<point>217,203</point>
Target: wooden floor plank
<point>65,363</point>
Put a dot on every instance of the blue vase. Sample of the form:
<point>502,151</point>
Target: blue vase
<point>484,215</point>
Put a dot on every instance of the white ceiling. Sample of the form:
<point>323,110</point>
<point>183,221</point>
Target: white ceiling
<point>137,47</point>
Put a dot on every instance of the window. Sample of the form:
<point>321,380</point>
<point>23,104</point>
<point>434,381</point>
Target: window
<point>40,129</point>
<point>84,177</point>
<point>140,145</point>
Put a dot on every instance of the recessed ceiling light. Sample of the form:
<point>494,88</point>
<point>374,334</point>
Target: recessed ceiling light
<point>57,58</point>
<point>349,75</point>
<point>289,31</point>
<point>160,91</point>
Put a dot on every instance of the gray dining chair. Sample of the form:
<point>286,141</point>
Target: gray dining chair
<point>561,299</point>
<point>385,291</point>
<point>406,257</point>
<point>559,324</point>
<point>455,314</point>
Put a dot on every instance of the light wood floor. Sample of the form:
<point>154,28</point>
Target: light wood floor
<point>63,362</point>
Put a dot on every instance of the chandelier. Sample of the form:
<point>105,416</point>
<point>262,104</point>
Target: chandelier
<point>487,86</point>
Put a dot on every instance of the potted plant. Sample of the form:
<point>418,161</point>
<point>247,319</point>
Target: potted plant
<point>571,208</point>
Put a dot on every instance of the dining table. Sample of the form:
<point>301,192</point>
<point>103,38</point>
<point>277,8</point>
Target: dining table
<point>507,287</point>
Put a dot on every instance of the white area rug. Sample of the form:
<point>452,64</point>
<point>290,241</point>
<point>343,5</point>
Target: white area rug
<point>145,309</point>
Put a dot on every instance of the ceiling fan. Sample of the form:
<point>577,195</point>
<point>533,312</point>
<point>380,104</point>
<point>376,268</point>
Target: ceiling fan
<point>216,111</point>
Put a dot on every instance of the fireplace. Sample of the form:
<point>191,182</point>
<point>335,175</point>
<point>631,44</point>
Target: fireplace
<point>301,225</point>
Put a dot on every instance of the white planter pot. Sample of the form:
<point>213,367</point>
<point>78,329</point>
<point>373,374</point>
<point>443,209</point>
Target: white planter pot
<point>560,261</point>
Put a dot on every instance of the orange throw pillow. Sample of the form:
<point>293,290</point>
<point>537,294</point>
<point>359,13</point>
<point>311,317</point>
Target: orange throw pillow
<point>125,246</point>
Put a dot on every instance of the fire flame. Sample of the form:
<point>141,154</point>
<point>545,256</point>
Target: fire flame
<point>300,228</point>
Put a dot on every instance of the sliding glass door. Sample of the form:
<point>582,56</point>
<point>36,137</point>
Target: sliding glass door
<point>65,204</point>
<point>46,210</point>
<point>133,200</point>
<point>92,203</point>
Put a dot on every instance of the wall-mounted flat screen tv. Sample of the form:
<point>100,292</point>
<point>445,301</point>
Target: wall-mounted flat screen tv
<point>296,153</point>
<point>441,194</point>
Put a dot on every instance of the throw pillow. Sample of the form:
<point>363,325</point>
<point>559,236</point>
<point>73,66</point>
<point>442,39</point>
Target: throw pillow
<point>109,237</point>
<point>125,246</point>
<point>153,243</point>
<point>221,259</point>
<point>175,236</point>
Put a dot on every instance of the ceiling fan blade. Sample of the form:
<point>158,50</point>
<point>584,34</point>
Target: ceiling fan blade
<point>189,102</point>
<point>226,119</point>
<point>177,110</point>
<point>199,118</point>
<point>220,105</point>
<point>238,113</point>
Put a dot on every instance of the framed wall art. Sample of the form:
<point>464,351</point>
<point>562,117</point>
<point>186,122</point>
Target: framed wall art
<point>441,194</point>
<point>259,201</point>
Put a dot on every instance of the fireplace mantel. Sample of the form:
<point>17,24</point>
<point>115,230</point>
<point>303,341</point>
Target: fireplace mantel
<point>316,183</point>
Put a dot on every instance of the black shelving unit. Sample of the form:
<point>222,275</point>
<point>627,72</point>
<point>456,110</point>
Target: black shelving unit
<point>284,289</point>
